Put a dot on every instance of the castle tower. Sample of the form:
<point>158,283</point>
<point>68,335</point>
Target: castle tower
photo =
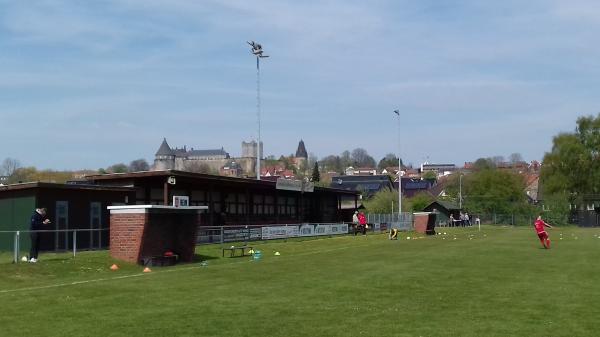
<point>164,159</point>
<point>301,151</point>
<point>301,158</point>
<point>249,149</point>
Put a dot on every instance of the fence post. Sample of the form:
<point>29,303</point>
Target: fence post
<point>222,233</point>
<point>16,247</point>
<point>75,242</point>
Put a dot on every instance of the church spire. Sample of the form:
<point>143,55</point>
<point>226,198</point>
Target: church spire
<point>301,151</point>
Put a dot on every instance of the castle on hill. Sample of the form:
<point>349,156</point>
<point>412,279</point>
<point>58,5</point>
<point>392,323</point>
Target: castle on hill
<point>216,160</point>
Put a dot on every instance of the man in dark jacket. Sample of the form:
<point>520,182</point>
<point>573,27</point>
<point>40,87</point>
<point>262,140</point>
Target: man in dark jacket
<point>38,220</point>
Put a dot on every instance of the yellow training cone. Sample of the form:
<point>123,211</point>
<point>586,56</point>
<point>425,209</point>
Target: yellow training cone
<point>277,254</point>
<point>147,270</point>
<point>114,267</point>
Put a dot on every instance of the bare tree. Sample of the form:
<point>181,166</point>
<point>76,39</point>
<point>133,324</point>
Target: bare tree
<point>9,166</point>
<point>139,165</point>
<point>196,167</point>
<point>312,159</point>
<point>497,160</point>
<point>361,157</point>
<point>515,158</point>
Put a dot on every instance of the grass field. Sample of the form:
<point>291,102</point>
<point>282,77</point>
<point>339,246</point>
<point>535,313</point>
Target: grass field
<point>497,282</point>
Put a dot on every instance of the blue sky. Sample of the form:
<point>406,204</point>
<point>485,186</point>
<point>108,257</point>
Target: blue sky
<point>85,84</point>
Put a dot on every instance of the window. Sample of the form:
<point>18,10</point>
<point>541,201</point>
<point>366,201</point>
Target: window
<point>257,202</point>
<point>291,206</point>
<point>95,224</point>
<point>61,222</point>
<point>269,205</point>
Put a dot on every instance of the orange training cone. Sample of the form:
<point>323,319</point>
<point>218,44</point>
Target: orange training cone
<point>147,270</point>
<point>114,267</point>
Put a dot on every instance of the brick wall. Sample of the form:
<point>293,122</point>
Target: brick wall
<point>150,232</point>
<point>126,232</point>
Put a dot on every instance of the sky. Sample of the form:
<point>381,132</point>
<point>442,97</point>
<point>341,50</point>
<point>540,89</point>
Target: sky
<point>86,84</point>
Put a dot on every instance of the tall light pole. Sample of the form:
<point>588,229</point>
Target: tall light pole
<point>460,190</point>
<point>258,52</point>
<point>397,112</point>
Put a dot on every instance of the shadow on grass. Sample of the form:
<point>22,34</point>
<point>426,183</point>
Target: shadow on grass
<point>200,258</point>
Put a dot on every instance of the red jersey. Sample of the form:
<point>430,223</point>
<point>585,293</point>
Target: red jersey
<point>362,219</point>
<point>539,226</point>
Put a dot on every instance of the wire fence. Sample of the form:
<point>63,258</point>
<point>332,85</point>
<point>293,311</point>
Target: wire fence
<point>225,234</point>
<point>60,240</point>
<point>383,222</point>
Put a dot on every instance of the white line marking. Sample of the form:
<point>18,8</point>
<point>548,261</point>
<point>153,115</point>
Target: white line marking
<point>74,283</point>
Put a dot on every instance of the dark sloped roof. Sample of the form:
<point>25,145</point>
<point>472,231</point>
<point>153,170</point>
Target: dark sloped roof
<point>164,149</point>
<point>301,151</point>
<point>206,153</point>
<point>370,184</point>
<point>450,206</point>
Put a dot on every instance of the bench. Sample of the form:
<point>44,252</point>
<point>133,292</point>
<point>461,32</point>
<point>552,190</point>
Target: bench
<point>233,249</point>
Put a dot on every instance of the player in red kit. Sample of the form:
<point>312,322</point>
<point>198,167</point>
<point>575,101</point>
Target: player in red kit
<point>541,231</point>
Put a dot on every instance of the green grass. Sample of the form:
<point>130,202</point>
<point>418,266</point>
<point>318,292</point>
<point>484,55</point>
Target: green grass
<point>498,282</point>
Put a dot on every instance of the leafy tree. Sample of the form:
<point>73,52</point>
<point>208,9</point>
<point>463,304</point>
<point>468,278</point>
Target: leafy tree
<point>572,167</point>
<point>384,201</point>
<point>316,176</point>
<point>139,165</point>
<point>421,200</point>
<point>118,168</point>
<point>484,164</point>
<point>558,211</point>
<point>390,160</point>
<point>430,175</point>
<point>490,191</point>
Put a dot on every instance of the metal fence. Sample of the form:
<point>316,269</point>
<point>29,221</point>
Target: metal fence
<point>18,242</point>
<point>224,234</point>
<point>382,222</point>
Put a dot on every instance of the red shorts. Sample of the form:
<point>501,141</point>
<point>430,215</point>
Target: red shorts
<point>542,235</point>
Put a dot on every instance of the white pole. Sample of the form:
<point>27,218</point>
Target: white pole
<point>460,191</point>
<point>258,116</point>
<point>399,171</point>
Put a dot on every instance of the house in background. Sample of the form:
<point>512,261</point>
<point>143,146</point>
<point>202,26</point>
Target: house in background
<point>438,169</point>
<point>360,171</point>
<point>369,185</point>
<point>443,209</point>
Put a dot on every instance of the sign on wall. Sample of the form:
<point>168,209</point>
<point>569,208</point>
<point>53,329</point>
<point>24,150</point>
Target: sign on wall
<point>181,201</point>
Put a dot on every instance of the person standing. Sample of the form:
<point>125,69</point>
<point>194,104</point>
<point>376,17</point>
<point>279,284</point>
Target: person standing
<point>362,223</point>
<point>539,225</point>
<point>355,221</point>
<point>38,221</point>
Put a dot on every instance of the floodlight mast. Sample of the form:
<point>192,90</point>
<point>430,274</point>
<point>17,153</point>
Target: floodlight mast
<point>258,52</point>
<point>397,112</point>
